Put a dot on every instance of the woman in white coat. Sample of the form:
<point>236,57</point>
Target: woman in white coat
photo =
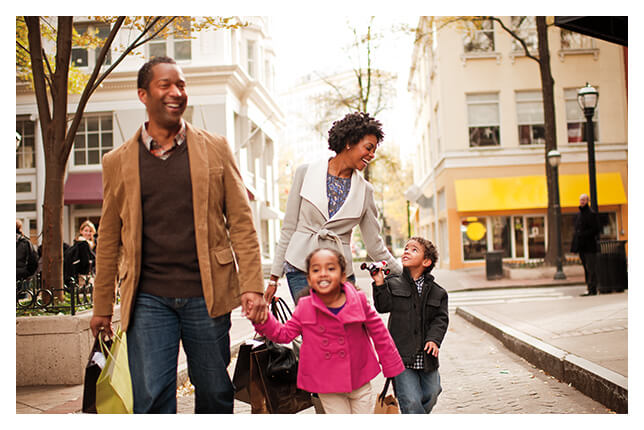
<point>327,200</point>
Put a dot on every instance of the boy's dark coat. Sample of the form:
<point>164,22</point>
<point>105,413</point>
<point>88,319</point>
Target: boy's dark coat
<point>414,319</point>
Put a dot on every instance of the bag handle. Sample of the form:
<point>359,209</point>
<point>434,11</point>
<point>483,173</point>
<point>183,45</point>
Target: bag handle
<point>107,348</point>
<point>280,309</point>
<point>383,394</point>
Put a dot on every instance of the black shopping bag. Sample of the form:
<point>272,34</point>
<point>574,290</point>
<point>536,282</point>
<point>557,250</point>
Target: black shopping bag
<point>245,374</point>
<point>281,396</point>
<point>95,364</point>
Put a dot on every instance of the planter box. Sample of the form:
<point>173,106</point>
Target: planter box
<point>53,350</point>
<point>541,272</point>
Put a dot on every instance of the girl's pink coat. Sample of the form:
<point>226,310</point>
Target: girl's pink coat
<point>336,354</point>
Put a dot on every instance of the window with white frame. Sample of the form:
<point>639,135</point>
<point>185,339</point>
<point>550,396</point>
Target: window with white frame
<point>530,118</point>
<point>479,37</point>
<point>251,62</point>
<point>575,119</point>
<point>83,56</point>
<point>483,119</point>
<point>93,139</point>
<point>177,44</point>
<point>26,148</point>
<point>571,40</point>
<point>526,28</point>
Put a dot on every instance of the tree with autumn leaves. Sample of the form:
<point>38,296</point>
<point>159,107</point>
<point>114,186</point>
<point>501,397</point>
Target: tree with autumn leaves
<point>43,59</point>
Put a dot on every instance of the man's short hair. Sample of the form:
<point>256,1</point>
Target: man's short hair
<point>145,72</point>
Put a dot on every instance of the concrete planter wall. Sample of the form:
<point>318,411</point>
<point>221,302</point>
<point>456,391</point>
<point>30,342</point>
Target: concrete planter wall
<point>53,350</point>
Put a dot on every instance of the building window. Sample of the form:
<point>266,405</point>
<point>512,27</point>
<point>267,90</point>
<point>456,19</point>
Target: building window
<point>502,234</point>
<point>23,187</point>
<point>526,28</point>
<point>26,148</point>
<point>176,44</point>
<point>479,37</point>
<point>483,119</point>
<point>250,58</point>
<point>571,41</point>
<point>84,56</point>
<point>530,118</point>
<point>93,139</point>
<point>576,120</point>
<point>474,234</point>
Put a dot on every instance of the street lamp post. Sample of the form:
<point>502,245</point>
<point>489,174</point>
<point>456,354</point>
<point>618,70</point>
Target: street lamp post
<point>587,98</point>
<point>411,195</point>
<point>554,158</point>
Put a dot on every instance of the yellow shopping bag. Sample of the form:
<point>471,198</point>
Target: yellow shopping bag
<point>114,385</point>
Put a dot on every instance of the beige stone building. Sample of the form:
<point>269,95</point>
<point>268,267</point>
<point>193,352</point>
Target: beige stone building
<point>230,84</point>
<point>479,166</point>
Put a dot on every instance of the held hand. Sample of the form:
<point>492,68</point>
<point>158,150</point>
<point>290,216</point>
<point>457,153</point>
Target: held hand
<point>431,348</point>
<point>254,307</point>
<point>101,323</point>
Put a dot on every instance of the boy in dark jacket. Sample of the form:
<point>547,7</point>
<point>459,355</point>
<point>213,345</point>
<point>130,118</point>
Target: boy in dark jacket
<point>417,322</point>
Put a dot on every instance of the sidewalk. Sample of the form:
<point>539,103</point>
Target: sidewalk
<point>582,340</point>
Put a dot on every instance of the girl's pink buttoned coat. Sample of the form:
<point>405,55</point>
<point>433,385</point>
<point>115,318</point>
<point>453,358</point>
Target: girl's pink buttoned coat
<point>336,355</point>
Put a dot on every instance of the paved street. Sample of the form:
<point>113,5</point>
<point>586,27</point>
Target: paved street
<point>480,376</point>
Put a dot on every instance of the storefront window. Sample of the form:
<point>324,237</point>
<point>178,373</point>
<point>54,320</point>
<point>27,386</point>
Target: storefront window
<point>501,230</point>
<point>473,231</point>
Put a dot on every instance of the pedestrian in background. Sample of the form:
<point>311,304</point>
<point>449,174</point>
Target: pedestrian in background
<point>584,242</point>
<point>26,255</point>
<point>418,319</point>
<point>176,207</point>
<point>328,198</point>
<point>338,325</point>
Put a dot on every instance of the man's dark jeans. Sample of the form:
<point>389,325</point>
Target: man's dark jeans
<point>157,326</point>
<point>588,259</point>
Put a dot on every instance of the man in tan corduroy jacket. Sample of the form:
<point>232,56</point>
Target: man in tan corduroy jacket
<point>177,219</point>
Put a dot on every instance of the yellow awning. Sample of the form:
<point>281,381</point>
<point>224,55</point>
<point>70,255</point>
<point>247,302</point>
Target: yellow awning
<point>530,192</point>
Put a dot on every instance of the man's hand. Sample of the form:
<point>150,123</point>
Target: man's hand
<point>254,307</point>
<point>431,348</point>
<point>101,323</point>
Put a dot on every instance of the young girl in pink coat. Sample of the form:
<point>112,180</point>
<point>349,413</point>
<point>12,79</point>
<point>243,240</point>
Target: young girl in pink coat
<point>337,325</point>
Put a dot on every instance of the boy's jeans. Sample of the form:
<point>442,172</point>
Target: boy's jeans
<point>417,391</point>
<point>157,325</point>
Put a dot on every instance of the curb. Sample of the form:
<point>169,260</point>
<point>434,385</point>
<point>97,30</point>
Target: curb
<point>603,385</point>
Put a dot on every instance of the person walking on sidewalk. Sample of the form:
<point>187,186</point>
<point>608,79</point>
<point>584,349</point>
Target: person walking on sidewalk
<point>175,207</point>
<point>418,321</point>
<point>338,326</point>
<point>328,199</point>
<point>584,242</point>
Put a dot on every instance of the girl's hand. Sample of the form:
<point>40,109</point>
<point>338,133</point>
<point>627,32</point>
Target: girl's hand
<point>431,348</point>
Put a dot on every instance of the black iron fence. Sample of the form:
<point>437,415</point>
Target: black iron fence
<point>32,296</point>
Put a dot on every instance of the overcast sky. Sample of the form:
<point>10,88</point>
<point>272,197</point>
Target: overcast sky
<point>304,46</point>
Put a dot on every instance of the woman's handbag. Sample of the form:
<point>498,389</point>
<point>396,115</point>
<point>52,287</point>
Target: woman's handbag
<point>114,384</point>
<point>386,404</point>
<point>95,364</point>
<point>277,367</point>
<point>282,360</point>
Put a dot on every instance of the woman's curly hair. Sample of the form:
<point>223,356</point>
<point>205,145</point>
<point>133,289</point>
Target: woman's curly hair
<point>352,128</point>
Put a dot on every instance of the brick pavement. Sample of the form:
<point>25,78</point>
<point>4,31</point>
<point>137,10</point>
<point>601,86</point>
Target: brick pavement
<point>480,376</point>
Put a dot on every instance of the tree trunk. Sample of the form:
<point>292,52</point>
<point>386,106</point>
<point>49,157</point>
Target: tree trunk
<point>52,265</point>
<point>547,90</point>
